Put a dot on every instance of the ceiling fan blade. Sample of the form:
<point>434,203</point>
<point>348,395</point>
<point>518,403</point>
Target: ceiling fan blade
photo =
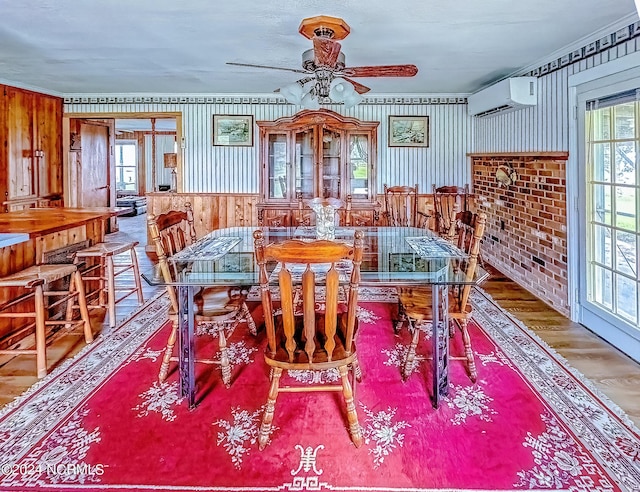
<point>360,89</point>
<point>325,51</point>
<point>297,70</point>
<point>382,71</point>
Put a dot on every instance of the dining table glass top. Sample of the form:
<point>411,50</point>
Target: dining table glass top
<point>392,256</point>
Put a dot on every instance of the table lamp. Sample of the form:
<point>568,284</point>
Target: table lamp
<point>171,162</point>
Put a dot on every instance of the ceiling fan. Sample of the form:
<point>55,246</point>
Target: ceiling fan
<point>327,75</point>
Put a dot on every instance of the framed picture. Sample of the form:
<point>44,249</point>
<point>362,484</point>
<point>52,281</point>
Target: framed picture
<point>408,131</point>
<point>232,130</point>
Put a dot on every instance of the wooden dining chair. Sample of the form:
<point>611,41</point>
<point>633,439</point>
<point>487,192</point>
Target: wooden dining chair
<point>305,216</point>
<point>401,205</point>
<point>352,218</point>
<point>447,202</point>
<point>218,310</point>
<point>416,303</point>
<point>310,340</point>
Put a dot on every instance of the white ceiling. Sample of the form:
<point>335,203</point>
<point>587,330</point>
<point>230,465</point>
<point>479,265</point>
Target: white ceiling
<point>180,47</point>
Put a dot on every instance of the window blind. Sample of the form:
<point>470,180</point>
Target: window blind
<point>614,99</point>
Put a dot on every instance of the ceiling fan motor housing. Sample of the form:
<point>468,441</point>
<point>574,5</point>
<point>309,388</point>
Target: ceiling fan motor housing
<point>308,61</point>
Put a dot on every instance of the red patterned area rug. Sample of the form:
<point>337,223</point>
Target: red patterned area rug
<point>103,422</point>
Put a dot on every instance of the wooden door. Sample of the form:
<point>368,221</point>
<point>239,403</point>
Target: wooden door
<point>48,135</point>
<point>20,144</point>
<point>94,171</point>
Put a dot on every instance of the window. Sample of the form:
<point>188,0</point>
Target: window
<point>613,201</point>
<point>126,167</point>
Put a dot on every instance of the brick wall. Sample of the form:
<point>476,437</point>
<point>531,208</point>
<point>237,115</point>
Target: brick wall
<point>526,234</point>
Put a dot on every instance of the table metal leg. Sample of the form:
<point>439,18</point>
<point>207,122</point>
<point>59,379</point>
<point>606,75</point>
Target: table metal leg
<point>186,328</point>
<point>440,340</point>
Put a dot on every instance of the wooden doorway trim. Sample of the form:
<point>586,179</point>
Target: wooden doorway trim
<point>66,140</point>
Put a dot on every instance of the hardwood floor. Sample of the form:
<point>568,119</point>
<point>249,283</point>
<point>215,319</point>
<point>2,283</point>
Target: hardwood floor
<point>615,374</point>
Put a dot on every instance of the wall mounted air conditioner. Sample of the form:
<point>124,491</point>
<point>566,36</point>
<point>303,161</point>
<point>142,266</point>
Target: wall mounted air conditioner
<point>507,95</point>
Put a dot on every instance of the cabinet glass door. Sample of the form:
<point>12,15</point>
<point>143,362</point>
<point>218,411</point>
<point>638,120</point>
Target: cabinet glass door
<point>330,164</point>
<point>359,166</point>
<point>278,169</point>
<point>305,155</point>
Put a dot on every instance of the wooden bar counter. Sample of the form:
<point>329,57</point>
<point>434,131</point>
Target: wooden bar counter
<point>50,229</point>
<point>49,234</point>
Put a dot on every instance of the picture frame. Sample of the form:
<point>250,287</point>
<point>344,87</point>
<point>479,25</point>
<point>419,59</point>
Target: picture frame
<point>233,130</point>
<point>408,131</point>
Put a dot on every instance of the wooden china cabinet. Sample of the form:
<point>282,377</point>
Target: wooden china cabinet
<point>317,154</point>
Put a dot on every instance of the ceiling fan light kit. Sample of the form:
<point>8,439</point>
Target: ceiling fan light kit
<point>327,74</point>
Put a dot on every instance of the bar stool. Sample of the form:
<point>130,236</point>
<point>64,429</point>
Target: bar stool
<point>103,269</point>
<point>36,281</point>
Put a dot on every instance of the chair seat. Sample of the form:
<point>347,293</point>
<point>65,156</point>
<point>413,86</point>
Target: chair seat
<point>214,304</point>
<point>217,303</point>
<point>417,303</point>
<point>108,248</point>
<point>30,275</point>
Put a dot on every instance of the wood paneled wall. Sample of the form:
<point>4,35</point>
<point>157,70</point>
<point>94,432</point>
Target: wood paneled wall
<point>211,211</point>
<point>216,211</point>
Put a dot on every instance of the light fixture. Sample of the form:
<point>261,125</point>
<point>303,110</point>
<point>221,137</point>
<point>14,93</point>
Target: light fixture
<point>171,162</point>
<point>310,92</point>
<point>309,101</point>
<point>340,89</point>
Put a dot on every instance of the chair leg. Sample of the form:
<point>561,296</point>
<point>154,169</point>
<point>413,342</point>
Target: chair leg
<point>82,302</point>
<point>468,352</point>
<point>111,291</point>
<point>409,360</point>
<point>166,359</point>
<point>267,416</point>
<point>70,303</point>
<point>102,271</point>
<point>41,336</point>
<point>136,275</point>
<point>354,380</point>
<point>399,321</point>
<point>352,416</point>
<point>224,356</point>
<point>246,315</point>
<point>357,372</point>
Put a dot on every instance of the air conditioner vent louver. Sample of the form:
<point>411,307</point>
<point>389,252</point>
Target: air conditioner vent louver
<point>507,95</point>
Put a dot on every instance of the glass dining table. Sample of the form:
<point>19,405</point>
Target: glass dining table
<point>393,257</point>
